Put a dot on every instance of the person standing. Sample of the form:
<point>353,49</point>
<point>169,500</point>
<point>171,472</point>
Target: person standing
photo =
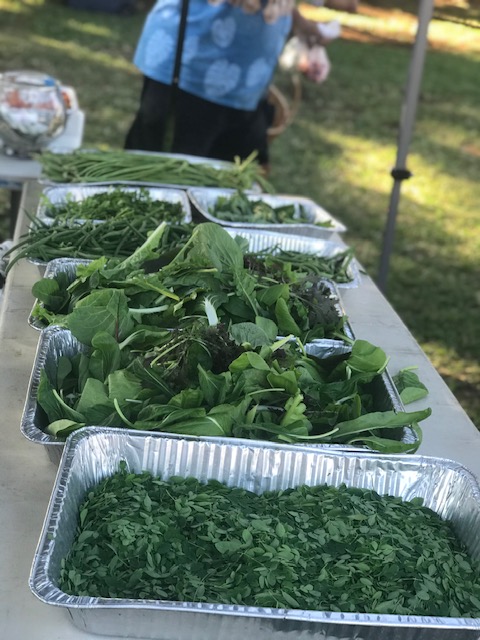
<point>210,71</point>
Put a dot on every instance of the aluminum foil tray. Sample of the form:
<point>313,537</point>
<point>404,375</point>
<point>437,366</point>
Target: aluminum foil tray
<point>54,267</point>
<point>213,162</point>
<point>259,240</point>
<point>55,342</point>
<point>203,200</point>
<point>55,196</point>
<point>325,346</point>
<point>94,453</point>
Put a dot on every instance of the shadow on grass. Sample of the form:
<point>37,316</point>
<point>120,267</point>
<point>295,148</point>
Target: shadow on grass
<point>431,282</point>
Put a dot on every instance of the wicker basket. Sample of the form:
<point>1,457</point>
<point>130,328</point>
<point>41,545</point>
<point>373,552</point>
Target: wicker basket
<point>284,111</point>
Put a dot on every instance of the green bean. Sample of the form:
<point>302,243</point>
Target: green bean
<point>104,166</point>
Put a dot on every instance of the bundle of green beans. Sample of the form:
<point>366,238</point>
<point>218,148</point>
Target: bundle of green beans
<point>89,240</point>
<point>106,166</point>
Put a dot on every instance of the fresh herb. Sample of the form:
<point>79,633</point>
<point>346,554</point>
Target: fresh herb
<point>118,203</point>
<point>281,264</point>
<point>241,207</point>
<point>209,265</point>
<point>314,548</point>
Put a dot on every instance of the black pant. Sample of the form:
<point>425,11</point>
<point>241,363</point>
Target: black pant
<point>201,128</point>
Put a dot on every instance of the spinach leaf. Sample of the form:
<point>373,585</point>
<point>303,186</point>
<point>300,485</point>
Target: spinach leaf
<point>409,386</point>
<point>104,310</point>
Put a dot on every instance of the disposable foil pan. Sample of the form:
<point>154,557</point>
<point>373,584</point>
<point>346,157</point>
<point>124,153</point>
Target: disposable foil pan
<point>54,196</point>
<point>69,267</point>
<point>53,268</point>
<point>55,342</point>
<point>190,159</point>
<point>258,240</point>
<point>94,454</point>
<point>204,199</point>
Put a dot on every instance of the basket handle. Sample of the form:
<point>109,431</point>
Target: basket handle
<point>290,108</point>
<point>296,97</point>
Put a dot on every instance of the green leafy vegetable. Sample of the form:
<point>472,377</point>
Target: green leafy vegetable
<point>209,268</point>
<point>262,389</point>
<point>281,264</point>
<point>314,548</point>
<point>409,386</point>
<point>118,202</point>
<point>241,207</point>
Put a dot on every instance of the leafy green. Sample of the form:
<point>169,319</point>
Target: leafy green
<point>116,202</point>
<point>208,272</point>
<point>281,264</point>
<point>241,207</point>
<point>317,548</point>
<point>409,386</point>
<point>208,380</point>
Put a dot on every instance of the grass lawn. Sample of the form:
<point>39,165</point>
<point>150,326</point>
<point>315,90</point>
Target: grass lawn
<point>339,149</point>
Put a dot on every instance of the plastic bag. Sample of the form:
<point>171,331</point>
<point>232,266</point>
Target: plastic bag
<point>312,61</point>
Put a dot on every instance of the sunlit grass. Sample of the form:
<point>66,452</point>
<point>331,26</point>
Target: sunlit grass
<point>89,28</point>
<point>85,55</point>
<point>12,7</point>
<point>394,23</point>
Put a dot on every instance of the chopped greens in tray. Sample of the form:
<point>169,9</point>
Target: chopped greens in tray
<point>239,207</point>
<point>317,548</point>
<point>211,264</point>
<point>208,380</point>
<point>116,203</point>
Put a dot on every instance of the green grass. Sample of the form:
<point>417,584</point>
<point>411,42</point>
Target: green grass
<point>339,149</point>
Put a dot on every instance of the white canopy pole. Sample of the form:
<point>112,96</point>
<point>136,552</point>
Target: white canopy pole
<point>407,121</point>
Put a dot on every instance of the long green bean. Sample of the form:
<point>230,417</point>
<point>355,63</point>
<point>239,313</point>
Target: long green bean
<point>105,166</point>
<point>90,240</point>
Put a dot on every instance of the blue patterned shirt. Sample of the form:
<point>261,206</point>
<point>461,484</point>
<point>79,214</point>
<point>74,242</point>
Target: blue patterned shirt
<point>229,56</point>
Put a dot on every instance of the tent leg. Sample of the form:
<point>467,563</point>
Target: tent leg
<point>407,121</point>
<point>398,175</point>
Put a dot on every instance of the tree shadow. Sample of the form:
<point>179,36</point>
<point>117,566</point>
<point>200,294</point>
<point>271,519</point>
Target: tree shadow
<point>441,304</point>
<point>431,283</point>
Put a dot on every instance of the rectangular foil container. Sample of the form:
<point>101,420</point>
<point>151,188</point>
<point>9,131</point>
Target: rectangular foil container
<point>93,454</point>
<point>258,240</point>
<point>55,342</point>
<point>52,269</point>
<point>190,159</point>
<point>55,196</point>
<point>203,200</point>
<point>69,267</point>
